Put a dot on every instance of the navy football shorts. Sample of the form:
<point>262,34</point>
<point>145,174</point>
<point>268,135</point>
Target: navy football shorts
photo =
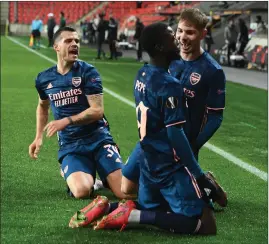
<point>131,170</point>
<point>180,194</point>
<point>103,159</point>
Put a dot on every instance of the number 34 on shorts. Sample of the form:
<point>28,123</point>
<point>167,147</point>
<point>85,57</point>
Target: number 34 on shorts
<point>112,150</point>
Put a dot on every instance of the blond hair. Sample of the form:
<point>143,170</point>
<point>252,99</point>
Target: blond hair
<point>195,16</point>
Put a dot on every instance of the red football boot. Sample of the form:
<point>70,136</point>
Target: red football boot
<point>95,210</point>
<point>117,219</point>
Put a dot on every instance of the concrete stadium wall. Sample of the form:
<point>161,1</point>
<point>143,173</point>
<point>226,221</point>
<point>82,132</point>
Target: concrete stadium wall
<point>19,29</point>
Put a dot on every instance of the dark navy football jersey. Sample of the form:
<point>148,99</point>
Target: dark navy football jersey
<point>203,83</point>
<point>158,98</point>
<point>68,96</point>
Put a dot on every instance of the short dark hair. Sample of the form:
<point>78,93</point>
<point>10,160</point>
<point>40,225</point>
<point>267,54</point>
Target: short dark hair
<point>195,16</point>
<point>62,13</point>
<point>60,30</point>
<point>153,35</point>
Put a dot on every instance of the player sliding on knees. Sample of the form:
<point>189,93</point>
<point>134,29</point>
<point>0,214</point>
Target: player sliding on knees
<point>73,90</point>
<point>171,191</point>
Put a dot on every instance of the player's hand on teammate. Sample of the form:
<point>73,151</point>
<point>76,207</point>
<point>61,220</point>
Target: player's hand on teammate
<point>56,125</point>
<point>34,148</point>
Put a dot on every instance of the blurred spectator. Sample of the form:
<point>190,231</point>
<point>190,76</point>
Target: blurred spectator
<point>242,38</point>
<point>84,27</point>
<point>208,38</point>
<point>261,28</point>
<point>112,37</point>
<point>36,27</point>
<point>139,26</point>
<point>91,30</point>
<point>62,20</point>
<point>96,21</point>
<point>101,31</point>
<point>172,20</point>
<point>81,27</point>
<point>51,24</point>
<point>122,37</point>
<point>230,35</point>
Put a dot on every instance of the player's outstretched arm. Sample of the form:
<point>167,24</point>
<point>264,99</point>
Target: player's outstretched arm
<point>93,113</point>
<point>42,114</point>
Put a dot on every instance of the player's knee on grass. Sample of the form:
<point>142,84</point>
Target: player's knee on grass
<point>208,223</point>
<point>80,184</point>
<point>128,186</point>
<point>114,182</point>
<point>182,224</point>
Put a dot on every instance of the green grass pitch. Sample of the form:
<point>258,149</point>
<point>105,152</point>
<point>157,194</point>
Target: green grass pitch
<point>34,206</point>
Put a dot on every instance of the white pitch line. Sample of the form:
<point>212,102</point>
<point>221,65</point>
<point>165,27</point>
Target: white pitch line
<point>261,174</point>
<point>253,170</point>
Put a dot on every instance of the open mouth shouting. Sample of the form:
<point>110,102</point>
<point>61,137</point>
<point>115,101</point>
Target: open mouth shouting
<point>73,52</point>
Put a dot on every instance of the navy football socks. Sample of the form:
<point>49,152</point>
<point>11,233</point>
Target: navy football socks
<point>177,223</point>
<point>112,206</point>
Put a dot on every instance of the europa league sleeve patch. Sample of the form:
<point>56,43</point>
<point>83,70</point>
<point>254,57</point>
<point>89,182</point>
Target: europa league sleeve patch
<point>172,102</point>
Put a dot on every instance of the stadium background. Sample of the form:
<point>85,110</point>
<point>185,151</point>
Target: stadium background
<point>34,207</point>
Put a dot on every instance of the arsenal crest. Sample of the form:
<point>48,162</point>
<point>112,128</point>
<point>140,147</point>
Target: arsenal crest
<point>195,78</point>
<point>76,81</point>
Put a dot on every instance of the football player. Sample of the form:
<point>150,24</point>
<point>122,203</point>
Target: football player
<point>73,90</point>
<point>203,83</point>
<point>171,194</point>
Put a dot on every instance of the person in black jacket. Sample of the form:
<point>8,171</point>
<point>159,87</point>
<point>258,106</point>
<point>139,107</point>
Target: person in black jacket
<point>208,38</point>
<point>101,31</point>
<point>139,26</point>
<point>242,38</point>
<point>91,29</point>
<point>51,24</point>
<point>112,37</point>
